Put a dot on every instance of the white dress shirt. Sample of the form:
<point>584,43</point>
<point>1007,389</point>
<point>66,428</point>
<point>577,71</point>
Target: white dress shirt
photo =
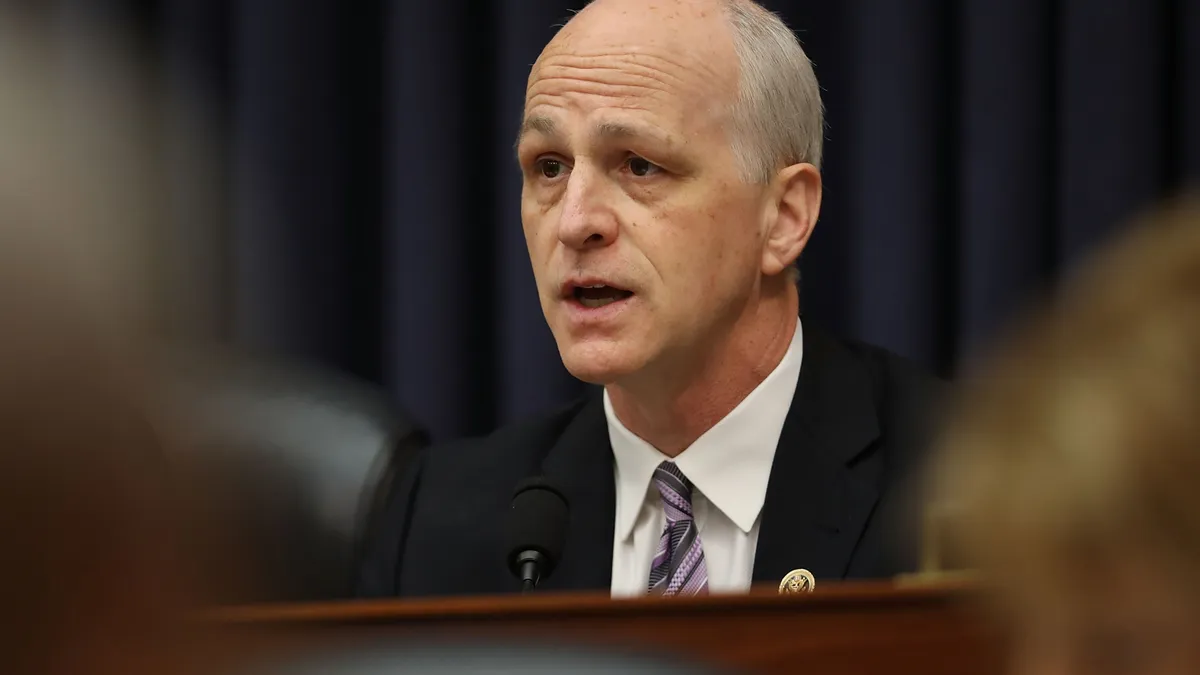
<point>729,466</point>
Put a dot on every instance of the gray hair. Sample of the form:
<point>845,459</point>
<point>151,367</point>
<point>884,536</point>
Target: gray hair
<point>778,118</point>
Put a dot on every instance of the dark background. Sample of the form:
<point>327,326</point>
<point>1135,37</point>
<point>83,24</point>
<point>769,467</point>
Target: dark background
<point>358,200</point>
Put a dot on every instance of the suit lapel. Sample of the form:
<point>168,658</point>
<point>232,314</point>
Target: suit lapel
<point>821,491</point>
<point>818,498</point>
<point>581,464</point>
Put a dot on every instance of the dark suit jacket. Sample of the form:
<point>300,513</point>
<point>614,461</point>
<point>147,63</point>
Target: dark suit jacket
<point>837,502</point>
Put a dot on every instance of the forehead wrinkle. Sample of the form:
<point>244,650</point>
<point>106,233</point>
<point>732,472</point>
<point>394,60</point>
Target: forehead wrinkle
<point>689,105</point>
<point>565,87</point>
<point>601,131</point>
<point>664,70</point>
<point>621,130</point>
<point>668,128</point>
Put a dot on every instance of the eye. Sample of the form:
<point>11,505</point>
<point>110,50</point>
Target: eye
<point>550,167</point>
<point>639,166</point>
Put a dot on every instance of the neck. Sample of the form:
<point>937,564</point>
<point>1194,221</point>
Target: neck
<point>675,404</point>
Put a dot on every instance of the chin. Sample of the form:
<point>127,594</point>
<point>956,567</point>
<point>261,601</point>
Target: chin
<point>602,363</point>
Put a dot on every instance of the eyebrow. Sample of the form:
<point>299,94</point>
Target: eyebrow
<point>539,124</point>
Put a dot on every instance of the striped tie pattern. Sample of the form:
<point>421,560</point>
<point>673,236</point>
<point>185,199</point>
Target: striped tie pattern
<point>678,567</point>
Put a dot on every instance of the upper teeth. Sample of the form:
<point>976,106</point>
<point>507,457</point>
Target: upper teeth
<point>595,286</point>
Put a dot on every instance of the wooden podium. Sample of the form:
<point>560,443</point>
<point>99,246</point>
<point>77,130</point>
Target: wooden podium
<point>851,628</point>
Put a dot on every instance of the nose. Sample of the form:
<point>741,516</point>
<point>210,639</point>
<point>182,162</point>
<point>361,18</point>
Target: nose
<point>587,219</point>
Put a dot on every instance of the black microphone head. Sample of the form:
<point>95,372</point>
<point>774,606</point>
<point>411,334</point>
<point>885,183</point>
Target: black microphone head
<point>537,521</point>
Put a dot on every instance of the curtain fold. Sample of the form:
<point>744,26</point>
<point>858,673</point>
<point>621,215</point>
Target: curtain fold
<point>1005,159</point>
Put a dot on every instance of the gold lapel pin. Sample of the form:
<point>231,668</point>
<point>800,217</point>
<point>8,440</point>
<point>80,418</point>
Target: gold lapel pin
<point>798,581</point>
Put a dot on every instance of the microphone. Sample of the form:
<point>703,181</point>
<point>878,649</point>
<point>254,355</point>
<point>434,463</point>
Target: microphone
<point>537,531</point>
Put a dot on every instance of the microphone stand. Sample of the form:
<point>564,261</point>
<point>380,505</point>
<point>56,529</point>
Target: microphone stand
<point>531,563</point>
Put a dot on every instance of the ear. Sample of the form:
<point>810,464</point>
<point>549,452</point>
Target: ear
<point>797,196</point>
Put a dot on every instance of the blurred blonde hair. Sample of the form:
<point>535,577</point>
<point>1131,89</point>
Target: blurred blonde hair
<point>1080,439</point>
<point>77,175</point>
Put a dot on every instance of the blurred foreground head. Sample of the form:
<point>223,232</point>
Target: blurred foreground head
<point>95,571</point>
<point>1071,474</point>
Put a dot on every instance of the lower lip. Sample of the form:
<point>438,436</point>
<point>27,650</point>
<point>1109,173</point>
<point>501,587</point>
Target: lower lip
<point>581,314</point>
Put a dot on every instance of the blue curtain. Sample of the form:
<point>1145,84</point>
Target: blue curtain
<point>368,198</point>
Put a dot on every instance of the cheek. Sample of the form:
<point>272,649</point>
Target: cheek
<point>702,243</point>
<point>729,239</point>
<point>537,225</point>
<point>539,243</point>
<point>697,257</point>
<point>530,219</point>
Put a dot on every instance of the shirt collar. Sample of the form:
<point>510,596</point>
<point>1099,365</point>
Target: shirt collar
<point>729,464</point>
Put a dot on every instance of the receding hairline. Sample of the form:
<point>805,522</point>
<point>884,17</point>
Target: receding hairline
<point>775,116</point>
<point>724,19</point>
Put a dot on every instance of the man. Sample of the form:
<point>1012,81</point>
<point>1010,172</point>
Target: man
<point>670,154</point>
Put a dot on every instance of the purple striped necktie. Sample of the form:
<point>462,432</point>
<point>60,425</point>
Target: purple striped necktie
<point>678,567</point>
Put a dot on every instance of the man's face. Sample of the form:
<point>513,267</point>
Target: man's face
<point>644,240</point>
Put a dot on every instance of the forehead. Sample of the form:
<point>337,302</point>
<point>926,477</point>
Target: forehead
<point>668,65</point>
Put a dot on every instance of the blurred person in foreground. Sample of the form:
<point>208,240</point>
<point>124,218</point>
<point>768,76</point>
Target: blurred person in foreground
<point>671,159</point>
<point>100,562</point>
<point>1071,474</point>
<point>96,569</point>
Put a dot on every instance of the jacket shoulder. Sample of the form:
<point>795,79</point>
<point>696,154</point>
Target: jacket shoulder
<point>519,445</point>
<point>893,373</point>
<point>440,529</point>
<point>908,401</point>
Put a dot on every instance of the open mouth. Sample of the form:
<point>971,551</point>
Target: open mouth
<point>599,295</point>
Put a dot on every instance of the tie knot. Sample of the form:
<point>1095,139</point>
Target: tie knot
<point>675,488</point>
